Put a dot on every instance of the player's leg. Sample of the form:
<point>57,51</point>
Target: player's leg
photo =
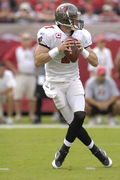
<point>70,137</point>
<point>62,105</point>
<point>75,121</point>
<point>74,125</point>
<point>77,104</point>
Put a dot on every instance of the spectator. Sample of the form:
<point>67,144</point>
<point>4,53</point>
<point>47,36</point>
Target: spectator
<point>45,10</point>
<point>25,74</point>
<point>117,63</point>
<point>104,56</point>
<point>89,17</point>
<point>13,5</point>
<point>117,9</point>
<point>109,2</point>
<point>7,83</point>
<point>98,5</point>
<point>101,97</point>
<point>31,2</point>
<point>78,3</point>
<point>25,13</point>
<point>108,14</point>
<point>5,11</point>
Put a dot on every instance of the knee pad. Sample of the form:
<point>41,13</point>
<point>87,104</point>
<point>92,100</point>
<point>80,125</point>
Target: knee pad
<point>79,117</point>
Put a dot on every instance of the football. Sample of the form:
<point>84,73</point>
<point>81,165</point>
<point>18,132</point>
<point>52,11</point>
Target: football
<point>72,56</point>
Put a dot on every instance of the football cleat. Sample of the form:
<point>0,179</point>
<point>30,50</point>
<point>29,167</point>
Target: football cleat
<point>101,155</point>
<point>59,159</point>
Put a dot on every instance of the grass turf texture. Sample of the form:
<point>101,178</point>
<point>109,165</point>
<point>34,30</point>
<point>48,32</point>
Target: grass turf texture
<point>28,154</point>
<point>47,120</point>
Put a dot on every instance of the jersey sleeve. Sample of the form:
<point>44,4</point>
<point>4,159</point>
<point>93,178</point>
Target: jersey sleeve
<point>43,38</point>
<point>87,39</point>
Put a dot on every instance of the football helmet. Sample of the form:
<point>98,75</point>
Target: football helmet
<point>68,15</point>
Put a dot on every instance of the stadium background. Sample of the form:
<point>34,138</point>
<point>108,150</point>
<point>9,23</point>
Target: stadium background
<point>27,151</point>
<point>41,12</point>
<point>9,39</point>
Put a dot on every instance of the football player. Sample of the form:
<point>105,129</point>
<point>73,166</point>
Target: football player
<point>62,76</point>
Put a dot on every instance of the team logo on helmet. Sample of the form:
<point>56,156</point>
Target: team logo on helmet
<point>62,9</point>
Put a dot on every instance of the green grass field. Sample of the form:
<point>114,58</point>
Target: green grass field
<point>28,154</point>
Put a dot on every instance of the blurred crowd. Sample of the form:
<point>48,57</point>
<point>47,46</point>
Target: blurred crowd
<point>93,11</point>
<point>22,78</point>
<point>19,78</point>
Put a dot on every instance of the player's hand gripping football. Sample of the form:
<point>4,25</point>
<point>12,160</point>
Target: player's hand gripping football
<point>79,45</point>
<point>66,45</point>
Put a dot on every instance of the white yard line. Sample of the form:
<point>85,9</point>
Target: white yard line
<point>90,168</point>
<point>4,169</point>
<point>50,126</point>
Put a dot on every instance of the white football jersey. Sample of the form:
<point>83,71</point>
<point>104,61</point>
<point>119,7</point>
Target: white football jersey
<point>60,69</point>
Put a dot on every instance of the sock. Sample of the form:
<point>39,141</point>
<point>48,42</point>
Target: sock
<point>86,140</point>
<point>94,149</point>
<point>84,137</point>
<point>64,148</point>
<point>90,146</point>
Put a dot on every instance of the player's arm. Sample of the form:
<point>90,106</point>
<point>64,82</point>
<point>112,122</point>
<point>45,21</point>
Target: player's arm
<point>88,54</point>
<point>43,55</point>
<point>92,58</point>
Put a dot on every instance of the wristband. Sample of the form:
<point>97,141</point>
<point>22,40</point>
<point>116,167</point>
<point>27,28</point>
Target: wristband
<point>85,53</point>
<point>53,52</point>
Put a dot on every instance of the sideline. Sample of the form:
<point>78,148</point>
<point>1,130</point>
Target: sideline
<point>52,126</point>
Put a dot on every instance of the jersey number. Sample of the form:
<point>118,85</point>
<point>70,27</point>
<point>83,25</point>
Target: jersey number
<point>65,60</point>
